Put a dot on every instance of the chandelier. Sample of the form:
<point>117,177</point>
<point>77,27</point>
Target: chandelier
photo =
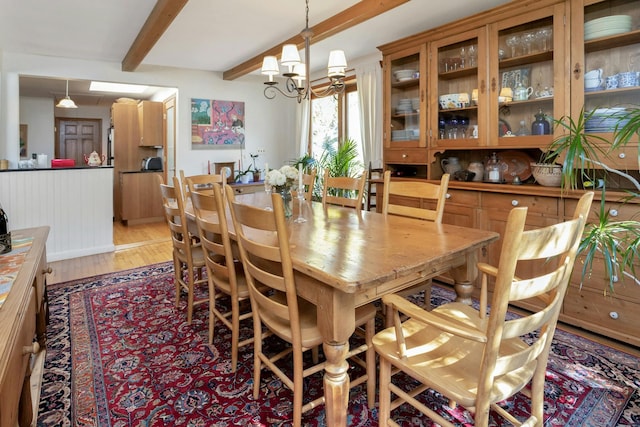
<point>297,83</point>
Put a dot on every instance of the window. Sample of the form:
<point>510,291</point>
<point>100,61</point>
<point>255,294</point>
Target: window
<point>334,119</point>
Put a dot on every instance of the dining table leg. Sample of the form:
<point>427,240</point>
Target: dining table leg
<point>463,277</point>
<point>336,327</point>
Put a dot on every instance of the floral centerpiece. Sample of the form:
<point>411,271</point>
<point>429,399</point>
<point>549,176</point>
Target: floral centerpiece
<point>281,181</point>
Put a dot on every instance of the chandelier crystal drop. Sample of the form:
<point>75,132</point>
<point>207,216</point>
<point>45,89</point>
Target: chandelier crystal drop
<point>297,83</point>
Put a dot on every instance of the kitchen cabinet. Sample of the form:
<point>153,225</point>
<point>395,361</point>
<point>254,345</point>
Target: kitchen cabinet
<point>405,139</point>
<point>608,50</point>
<point>150,123</point>
<point>22,315</point>
<point>141,198</point>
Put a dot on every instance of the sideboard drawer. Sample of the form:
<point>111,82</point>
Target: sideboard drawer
<point>547,206</point>
<point>407,155</point>
<point>17,363</point>
<point>600,314</point>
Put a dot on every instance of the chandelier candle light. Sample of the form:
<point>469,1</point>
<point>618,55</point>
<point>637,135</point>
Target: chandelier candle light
<point>297,84</point>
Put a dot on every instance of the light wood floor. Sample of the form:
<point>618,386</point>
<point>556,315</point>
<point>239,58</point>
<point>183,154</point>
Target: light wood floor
<point>136,246</point>
<point>144,244</point>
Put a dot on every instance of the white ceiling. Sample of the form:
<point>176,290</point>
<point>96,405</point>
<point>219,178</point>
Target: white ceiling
<point>211,35</point>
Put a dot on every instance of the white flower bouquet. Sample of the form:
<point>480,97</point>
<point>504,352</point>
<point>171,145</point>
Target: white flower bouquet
<point>282,178</point>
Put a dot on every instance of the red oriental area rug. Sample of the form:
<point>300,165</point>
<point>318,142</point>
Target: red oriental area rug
<point>120,354</point>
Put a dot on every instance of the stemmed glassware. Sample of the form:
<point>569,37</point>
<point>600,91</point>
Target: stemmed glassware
<point>513,42</point>
<point>301,199</point>
<point>268,189</point>
<point>528,40</point>
<point>473,54</point>
<point>543,35</point>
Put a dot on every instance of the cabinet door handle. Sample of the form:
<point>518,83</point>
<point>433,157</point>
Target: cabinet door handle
<point>47,270</point>
<point>622,155</point>
<point>576,71</point>
<point>493,84</point>
<point>404,155</point>
<point>483,86</point>
<point>31,349</point>
<point>514,202</point>
<point>613,212</point>
<point>614,315</point>
<point>447,196</point>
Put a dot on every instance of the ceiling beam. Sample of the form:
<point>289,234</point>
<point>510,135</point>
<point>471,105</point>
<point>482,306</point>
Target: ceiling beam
<point>356,14</point>
<point>162,15</point>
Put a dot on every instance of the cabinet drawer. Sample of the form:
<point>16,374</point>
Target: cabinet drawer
<point>461,197</point>
<point>547,206</point>
<point>600,313</point>
<point>17,364</point>
<point>406,156</point>
<point>618,211</point>
<point>598,281</point>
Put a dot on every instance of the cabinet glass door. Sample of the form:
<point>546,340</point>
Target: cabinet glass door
<point>458,92</point>
<point>405,101</point>
<point>611,72</point>
<point>527,83</point>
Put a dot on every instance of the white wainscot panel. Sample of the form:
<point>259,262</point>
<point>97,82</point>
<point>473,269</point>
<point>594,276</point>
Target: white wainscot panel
<point>76,203</point>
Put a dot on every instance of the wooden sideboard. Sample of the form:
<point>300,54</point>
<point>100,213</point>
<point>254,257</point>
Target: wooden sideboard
<point>23,317</point>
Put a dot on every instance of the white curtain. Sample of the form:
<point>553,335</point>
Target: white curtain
<point>369,77</point>
<point>303,121</point>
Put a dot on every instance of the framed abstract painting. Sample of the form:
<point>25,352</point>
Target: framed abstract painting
<point>217,124</point>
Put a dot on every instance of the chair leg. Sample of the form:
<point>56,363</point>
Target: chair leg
<point>384,399</point>
<point>257,351</point>
<point>370,331</point>
<point>177,268</point>
<point>298,383</point>
<point>190,294</point>
<point>235,333</point>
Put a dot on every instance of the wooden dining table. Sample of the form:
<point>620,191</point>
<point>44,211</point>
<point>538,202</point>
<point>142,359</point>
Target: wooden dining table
<point>355,258</point>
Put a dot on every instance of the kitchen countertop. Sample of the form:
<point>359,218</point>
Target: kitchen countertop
<point>56,169</point>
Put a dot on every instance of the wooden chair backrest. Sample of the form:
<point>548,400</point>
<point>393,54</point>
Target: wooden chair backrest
<point>308,180</point>
<point>202,183</point>
<point>435,194</point>
<point>211,219</point>
<point>555,249</point>
<point>173,205</point>
<point>343,190</point>
<point>264,248</point>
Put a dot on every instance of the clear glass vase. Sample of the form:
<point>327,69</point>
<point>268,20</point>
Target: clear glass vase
<point>287,201</point>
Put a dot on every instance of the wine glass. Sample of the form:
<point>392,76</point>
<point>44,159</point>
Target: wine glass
<point>301,199</point>
<point>513,42</point>
<point>542,35</point>
<point>268,189</point>
<point>473,54</point>
<point>527,40</point>
<point>463,55</point>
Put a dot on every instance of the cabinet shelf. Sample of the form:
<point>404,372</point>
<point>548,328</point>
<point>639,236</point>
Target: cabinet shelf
<point>456,74</point>
<point>527,59</point>
<point>601,93</point>
<point>406,83</point>
<point>612,42</point>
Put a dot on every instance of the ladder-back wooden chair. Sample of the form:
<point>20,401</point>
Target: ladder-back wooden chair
<point>428,204</point>
<point>344,190</point>
<point>188,258</point>
<point>224,271</point>
<point>374,173</point>
<point>264,245</point>
<point>201,183</point>
<point>475,359</point>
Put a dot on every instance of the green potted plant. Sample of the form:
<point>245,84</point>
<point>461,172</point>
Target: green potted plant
<point>254,169</point>
<point>586,157</point>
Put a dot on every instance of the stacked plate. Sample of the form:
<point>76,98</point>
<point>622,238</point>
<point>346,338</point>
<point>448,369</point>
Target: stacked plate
<point>605,120</point>
<point>400,135</point>
<point>402,75</point>
<point>607,26</point>
<point>405,106</point>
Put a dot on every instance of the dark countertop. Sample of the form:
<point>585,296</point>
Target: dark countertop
<point>141,171</point>
<point>56,169</point>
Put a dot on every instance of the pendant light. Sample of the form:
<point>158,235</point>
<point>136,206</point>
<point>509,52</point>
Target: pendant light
<point>67,102</point>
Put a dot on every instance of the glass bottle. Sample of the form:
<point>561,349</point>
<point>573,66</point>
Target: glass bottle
<point>540,126</point>
<point>523,131</point>
<point>5,234</point>
<point>493,170</point>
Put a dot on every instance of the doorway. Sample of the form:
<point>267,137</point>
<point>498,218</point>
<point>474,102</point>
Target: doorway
<point>76,138</point>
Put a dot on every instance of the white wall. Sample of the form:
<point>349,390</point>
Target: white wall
<point>269,124</point>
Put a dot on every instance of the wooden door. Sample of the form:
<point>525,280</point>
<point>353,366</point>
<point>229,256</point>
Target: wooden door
<point>76,138</point>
